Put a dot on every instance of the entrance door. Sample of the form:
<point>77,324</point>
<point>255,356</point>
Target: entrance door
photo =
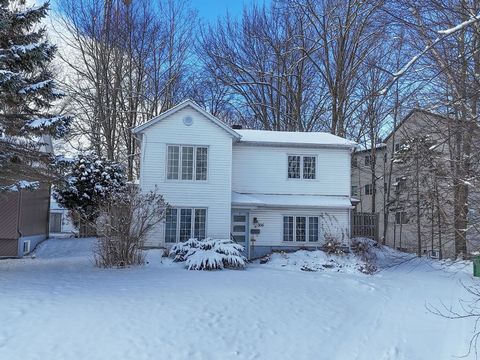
<point>240,228</point>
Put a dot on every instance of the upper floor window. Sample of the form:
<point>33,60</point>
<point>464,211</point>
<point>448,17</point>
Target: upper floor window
<point>187,162</point>
<point>368,160</point>
<point>302,167</point>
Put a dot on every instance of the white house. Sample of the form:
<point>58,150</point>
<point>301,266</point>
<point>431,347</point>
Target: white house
<point>269,190</point>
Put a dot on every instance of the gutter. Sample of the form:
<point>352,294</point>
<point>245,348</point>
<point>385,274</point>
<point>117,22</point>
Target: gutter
<point>257,205</point>
<point>300,145</point>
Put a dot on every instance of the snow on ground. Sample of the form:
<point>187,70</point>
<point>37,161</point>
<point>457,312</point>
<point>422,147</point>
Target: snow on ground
<point>59,306</point>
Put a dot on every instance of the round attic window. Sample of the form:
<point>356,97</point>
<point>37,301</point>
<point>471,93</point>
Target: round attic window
<point>187,120</point>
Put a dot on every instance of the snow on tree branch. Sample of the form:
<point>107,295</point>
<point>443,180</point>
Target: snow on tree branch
<point>461,26</point>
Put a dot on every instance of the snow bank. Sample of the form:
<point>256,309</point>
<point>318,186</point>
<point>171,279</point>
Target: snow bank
<point>65,248</point>
<point>66,308</point>
<point>316,260</point>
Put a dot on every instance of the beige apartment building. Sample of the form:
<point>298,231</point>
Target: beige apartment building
<point>387,179</point>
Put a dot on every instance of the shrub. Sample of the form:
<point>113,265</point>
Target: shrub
<point>333,246</point>
<point>125,221</point>
<point>364,249</point>
<point>209,254</point>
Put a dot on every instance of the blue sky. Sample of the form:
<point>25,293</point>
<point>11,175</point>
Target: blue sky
<point>209,10</point>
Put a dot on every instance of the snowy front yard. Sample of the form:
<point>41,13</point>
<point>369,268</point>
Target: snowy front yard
<point>59,306</point>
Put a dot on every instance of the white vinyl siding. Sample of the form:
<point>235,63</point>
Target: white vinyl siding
<point>331,222</point>
<point>264,169</point>
<point>213,193</point>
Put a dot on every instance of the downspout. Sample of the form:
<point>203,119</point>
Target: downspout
<point>47,232</point>
<point>19,207</point>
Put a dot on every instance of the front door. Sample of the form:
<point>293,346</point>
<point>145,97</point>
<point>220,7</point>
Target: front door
<point>240,228</point>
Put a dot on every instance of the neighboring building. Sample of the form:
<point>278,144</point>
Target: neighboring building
<point>24,217</point>
<point>371,188</point>
<point>23,220</point>
<point>61,225</point>
<point>268,190</point>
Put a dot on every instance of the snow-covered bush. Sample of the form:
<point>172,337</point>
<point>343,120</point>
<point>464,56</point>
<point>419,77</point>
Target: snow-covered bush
<point>89,181</point>
<point>209,254</point>
<point>126,220</point>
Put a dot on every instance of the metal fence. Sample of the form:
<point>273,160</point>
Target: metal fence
<point>365,225</point>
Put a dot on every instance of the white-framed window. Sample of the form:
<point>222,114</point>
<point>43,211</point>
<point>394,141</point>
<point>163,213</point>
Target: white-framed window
<point>302,167</point>
<point>26,246</point>
<point>300,228</point>
<point>182,224</point>
<point>313,228</point>
<point>401,217</point>
<point>309,167</point>
<point>187,162</point>
<point>171,225</point>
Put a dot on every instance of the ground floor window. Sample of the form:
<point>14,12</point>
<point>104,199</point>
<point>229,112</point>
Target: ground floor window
<point>300,228</point>
<point>182,224</point>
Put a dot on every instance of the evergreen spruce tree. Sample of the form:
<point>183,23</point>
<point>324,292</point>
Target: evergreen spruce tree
<point>27,94</point>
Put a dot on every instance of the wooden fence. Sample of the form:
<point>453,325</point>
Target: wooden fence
<point>365,225</point>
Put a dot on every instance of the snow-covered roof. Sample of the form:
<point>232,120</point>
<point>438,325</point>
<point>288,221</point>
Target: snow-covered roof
<point>293,138</point>
<point>282,200</point>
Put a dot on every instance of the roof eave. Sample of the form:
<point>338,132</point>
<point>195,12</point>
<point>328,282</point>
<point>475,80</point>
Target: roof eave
<point>276,206</point>
<point>296,144</point>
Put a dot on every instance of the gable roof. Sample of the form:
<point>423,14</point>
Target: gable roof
<point>408,116</point>
<point>383,145</point>
<point>180,106</point>
<point>293,138</point>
